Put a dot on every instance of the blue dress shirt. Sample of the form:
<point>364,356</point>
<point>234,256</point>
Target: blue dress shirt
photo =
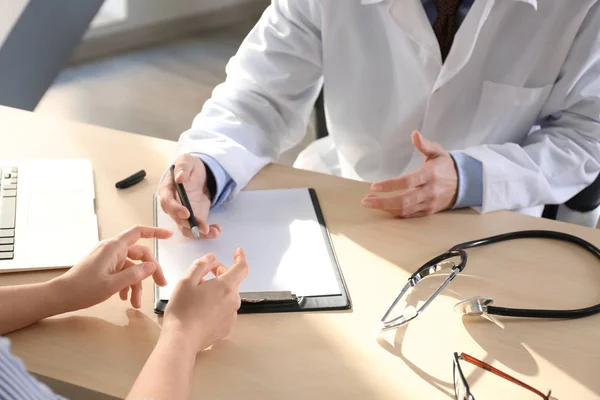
<point>224,183</point>
<point>470,170</point>
<point>16,382</point>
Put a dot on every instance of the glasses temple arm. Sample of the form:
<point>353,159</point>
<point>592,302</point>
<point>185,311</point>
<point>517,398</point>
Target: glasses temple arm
<point>502,374</point>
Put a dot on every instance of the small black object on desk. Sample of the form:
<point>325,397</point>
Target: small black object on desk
<point>131,180</point>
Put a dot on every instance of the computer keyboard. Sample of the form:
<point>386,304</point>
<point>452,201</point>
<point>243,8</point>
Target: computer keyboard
<point>8,211</point>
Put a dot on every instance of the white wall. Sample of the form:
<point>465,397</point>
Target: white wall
<point>9,14</point>
<point>148,12</point>
<point>112,11</point>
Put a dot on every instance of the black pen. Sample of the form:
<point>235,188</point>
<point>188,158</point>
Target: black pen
<point>186,203</point>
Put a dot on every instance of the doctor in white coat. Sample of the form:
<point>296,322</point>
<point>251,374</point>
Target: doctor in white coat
<point>506,93</point>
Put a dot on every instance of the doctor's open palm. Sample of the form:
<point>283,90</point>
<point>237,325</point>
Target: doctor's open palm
<point>428,190</point>
<point>191,172</point>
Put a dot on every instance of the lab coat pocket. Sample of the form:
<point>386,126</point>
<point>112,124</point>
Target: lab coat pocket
<point>506,113</point>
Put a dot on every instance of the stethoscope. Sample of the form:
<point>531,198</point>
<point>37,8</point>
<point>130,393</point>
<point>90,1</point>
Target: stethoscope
<point>480,305</point>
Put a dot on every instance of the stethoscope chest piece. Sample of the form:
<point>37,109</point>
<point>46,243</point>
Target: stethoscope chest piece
<point>474,306</point>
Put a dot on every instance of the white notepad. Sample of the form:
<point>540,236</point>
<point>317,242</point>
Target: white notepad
<point>280,233</point>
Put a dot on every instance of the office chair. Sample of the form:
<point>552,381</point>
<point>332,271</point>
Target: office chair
<point>583,209</point>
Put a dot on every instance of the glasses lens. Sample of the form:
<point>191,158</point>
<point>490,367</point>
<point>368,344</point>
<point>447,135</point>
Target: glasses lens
<point>461,391</point>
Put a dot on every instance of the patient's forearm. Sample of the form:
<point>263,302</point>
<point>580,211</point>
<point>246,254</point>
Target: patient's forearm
<point>167,372</point>
<point>24,305</point>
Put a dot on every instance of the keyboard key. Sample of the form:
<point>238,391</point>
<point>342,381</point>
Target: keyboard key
<point>13,181</point>
<point>9,186</point>
<point>14,169</point>
<point>7,240</point>
<point>4,233</point>
<point>8,193</point>
<point>6,247</point>
<point>8,208</point>
<point>6,256</point>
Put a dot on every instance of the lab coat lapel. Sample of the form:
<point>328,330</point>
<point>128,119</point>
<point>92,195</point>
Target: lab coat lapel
<point>464,41</point>
<point>410,16</point>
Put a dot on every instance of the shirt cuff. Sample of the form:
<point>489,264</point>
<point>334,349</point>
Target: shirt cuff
<point>224,183</point>
<point>470,181</point>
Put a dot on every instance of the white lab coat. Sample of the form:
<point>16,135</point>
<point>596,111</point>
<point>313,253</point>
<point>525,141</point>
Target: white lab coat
<point>514,64</point>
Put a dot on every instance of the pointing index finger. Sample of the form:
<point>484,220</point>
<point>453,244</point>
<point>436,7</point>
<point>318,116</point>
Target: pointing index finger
<point>137,232</point>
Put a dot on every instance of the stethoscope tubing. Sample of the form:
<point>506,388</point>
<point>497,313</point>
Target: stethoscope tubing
<point>536,234</point>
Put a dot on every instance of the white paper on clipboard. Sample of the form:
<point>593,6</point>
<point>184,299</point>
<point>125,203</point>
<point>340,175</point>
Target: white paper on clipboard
<point>280,233</point>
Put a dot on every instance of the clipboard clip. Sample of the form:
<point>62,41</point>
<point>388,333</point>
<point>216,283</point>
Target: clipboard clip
<point>269,297</point>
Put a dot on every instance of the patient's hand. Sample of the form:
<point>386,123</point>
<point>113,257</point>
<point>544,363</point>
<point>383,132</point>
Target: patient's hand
<point>201,312</point>
<point>191,172</point>
<point>111,267</point>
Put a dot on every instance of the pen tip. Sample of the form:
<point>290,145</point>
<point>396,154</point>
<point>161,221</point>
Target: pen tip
<point>196,232</point>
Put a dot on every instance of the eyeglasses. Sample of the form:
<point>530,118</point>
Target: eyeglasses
<point>461,387</point>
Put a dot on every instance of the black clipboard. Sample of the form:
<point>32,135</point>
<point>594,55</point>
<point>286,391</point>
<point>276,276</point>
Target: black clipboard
<point>276,302</point>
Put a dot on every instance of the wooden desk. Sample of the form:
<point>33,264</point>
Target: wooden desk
<point>334,355</point>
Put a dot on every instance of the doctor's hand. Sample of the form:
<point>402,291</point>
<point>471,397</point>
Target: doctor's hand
<point>430,189</point>
<point>112,267</point>
<point>200,311</point>
<point>191,172</point>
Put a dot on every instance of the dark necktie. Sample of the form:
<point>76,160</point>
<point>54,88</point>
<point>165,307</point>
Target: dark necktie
<point>446,25</point>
